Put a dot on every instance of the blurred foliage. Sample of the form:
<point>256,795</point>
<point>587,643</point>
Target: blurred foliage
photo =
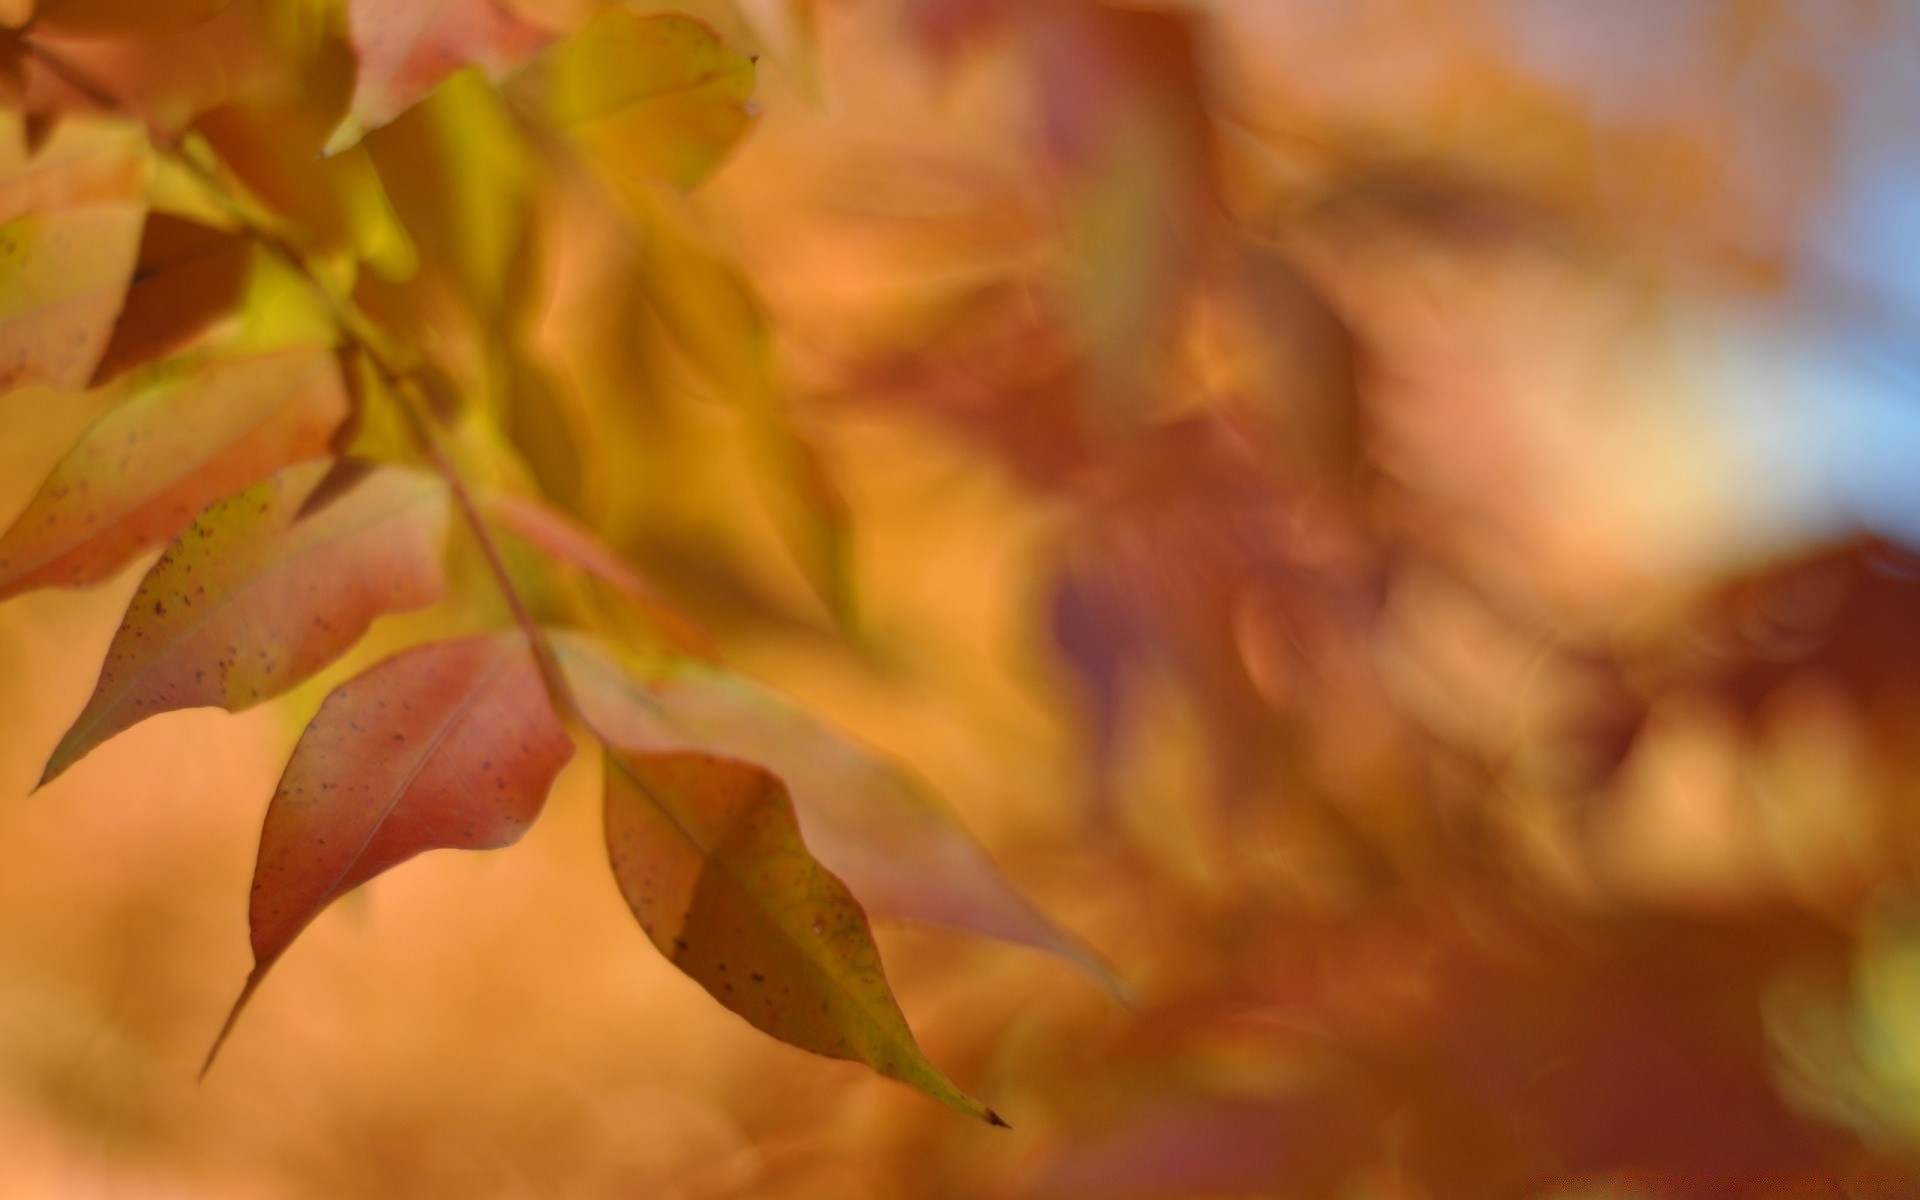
<point>1396,522</point>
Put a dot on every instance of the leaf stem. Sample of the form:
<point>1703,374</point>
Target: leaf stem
<point>362,334</point>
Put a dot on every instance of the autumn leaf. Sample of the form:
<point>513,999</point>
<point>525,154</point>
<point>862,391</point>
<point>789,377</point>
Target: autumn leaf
<point>450,745</point>
<point>70,220</point>
<point>557,535</point>
<point>258,594</point>
<point>708,855</point>
<point>717,321</point>
<point>143,471</point>
<point>408,47</point>
<point>654,99</point>
<point>187,276</point>
<point>870,823</point>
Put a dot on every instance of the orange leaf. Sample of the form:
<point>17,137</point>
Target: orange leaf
<point>70,220</point>
<point>450,745</point>
<point>143,471</point>
<point>255,597</point>
<point>897,846</point>
<point>408,47</point>
<point>708,855</point>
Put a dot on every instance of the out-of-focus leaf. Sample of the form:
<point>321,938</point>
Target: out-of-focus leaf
<point>709,857</point>
<point>558,535</point>
<point>652,99</point>
<point>258,594</point>
<point>63,276</point>
<point>407,48</point>
<point>123,18</point>
<point>451,745</point>
<point>84,161</point>
<point>869,822</point>
<point>70,218</point>
<point>717,321</point>
<point>144,470</point>
<point>187,276</point>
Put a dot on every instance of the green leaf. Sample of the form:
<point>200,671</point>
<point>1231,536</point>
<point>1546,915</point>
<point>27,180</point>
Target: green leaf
<point>708,855</point>
<point>450,745</point>
<point>185,438</point>
<point>871,823</point>
<point>655,99</point>
<point>258,594</point>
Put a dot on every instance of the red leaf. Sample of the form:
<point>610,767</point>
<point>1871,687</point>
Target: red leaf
<point>451,745</point>
<point>255,597</point>
<point>143,471</point>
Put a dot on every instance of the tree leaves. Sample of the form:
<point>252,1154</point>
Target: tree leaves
<point>257,595</point>
<point>899,849</point>
<point>278,563</point>
<point>652,99</point>
<point>144,470</point>
<point>451,745</point>
<point>70,221</point>
<point>407,47</point>
<point>708,855</point>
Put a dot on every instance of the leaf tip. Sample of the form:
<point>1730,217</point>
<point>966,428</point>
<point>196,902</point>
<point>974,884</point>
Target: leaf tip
<point>226,1028</point>
<point>994,1119</point>
<point>63,756</point>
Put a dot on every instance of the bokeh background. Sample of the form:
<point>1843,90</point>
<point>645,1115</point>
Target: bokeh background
<point>1393,520</point>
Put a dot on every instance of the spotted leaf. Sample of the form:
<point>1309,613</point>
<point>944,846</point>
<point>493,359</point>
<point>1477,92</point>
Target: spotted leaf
<point>255,597</point>
<point>708,855</point>
<point>872,824</point>
<point>143,471</point>
<point>450,745</point>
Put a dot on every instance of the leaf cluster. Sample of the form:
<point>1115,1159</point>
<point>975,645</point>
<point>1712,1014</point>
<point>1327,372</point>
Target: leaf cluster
<point>303,294</point>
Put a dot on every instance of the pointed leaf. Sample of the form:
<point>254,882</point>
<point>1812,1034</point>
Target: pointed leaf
<point>899,849</point>
<point>254,597</point>
<point>451,745</point>
<point>143,471</point>
<point>655,99</point>
<point>407,47</point>
<point>708,855</point>
<point>559,536</point>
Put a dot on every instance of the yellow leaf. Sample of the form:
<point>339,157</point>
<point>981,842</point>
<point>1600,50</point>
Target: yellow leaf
<point>652,99</point>
<point>708,855</point>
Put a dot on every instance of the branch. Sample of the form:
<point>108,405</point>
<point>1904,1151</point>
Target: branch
<point>363,334</point>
